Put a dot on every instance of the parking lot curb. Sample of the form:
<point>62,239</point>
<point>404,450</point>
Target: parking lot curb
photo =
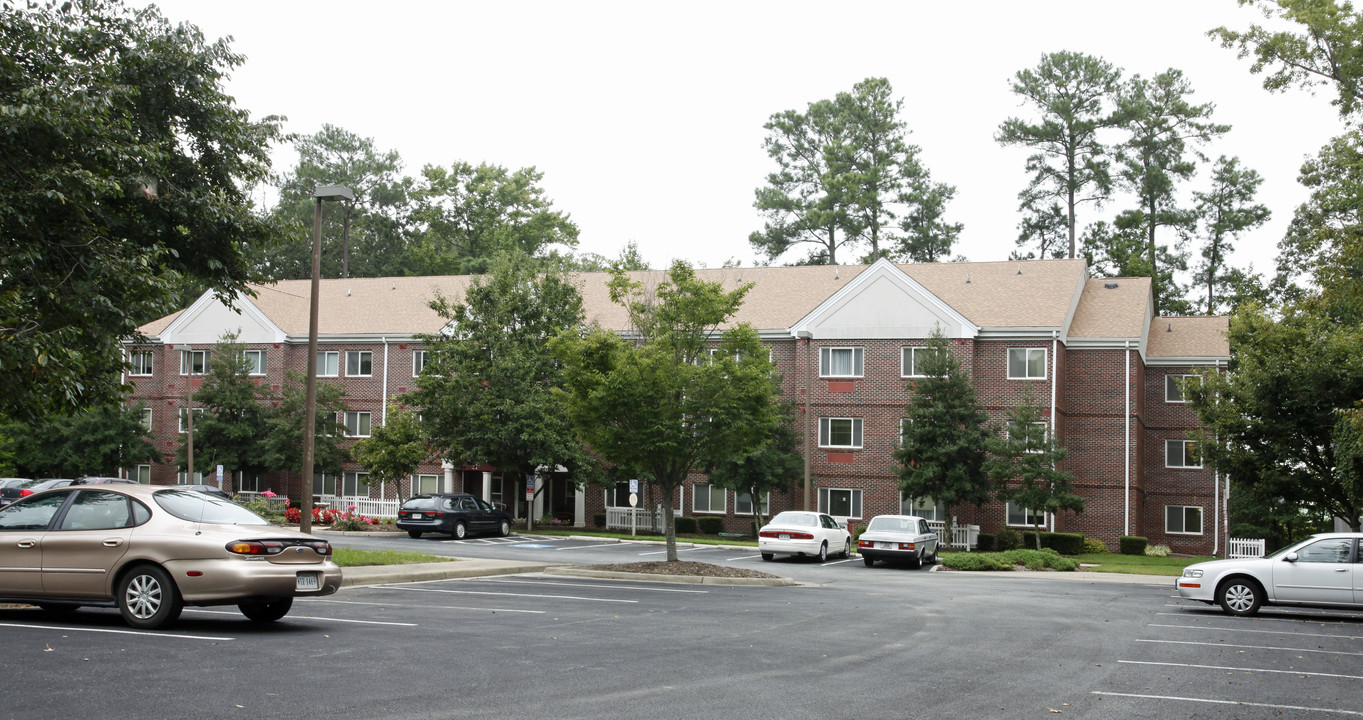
<point>365,575</point>
<point>680,579</point>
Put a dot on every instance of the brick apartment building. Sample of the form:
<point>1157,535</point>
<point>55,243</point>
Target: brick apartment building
<point>1091,352</point>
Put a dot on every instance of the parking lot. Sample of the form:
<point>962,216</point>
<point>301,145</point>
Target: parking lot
<point>852,642</point>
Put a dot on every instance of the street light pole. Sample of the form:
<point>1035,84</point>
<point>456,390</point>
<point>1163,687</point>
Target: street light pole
<point>324,192</point>
<point>189,401</point>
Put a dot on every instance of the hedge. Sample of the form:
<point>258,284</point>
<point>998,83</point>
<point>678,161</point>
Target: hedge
<point>710,525</point>
<point>599,520</point>
<point>984,542</point>
<point>1063,543</point>
<point>685,524</point>
<point>1133,545</point>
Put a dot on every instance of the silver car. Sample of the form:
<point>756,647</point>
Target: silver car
<point>150,550</point>
<point>1323,570</point>
<point>902,538</point>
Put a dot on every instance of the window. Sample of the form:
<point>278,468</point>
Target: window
<point>327,363</point>
<point>1332,550</point>
<point>911,364</point>
<point>255,362</point>
<point>359,363</point>
<point>418,362</point>
<point>248,482</point>
<point>1182,454</point>
<point>184,418</point>
<point>840,432</point>
<point>924,507</point>
<point>840,503</point>
<point>1032,440</point>
<point>323,484</point>
<point>1183,519</point>
<point>352,482</point>
<point>425,484</point>
<point>141,363</point>
<point>357,424</point>
<point>743,504</point>
<point>1174,384</point>
<point>183,478</point>
<point>707,498</point>
<point>1018,515</point>
<point>142,474</point>
<point>841,362</point>
<point>92,510</point>
<point>193,362</point>
<point>146,419</point>
<point>1026,363</point>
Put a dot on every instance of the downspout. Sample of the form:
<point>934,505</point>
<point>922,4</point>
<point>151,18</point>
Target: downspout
<point>804,336</point>
<point>384,417</point>
<point>1055,380</point>
<point>1126,514</point>
<point>1216,497</point>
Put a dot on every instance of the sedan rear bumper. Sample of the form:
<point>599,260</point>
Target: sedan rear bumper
<point>230,580</point>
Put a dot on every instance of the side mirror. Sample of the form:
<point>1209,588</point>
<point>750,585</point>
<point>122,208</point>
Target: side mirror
<point>1290,557</point>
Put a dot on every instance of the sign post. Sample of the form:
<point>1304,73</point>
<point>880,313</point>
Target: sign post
<point>633,503</point>
<point>529,502</point>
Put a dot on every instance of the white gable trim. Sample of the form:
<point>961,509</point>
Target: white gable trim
<point>205,321</point>
<point>953,324</point>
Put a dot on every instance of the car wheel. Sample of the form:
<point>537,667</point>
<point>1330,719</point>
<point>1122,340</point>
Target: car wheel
<point>932,560</point>
<point>867,559</point>
<point>847,550</point>
<point>266,611</point>
<point>823,552</point>
<point>915,562</point>
<point>505,528</point>
<point>414,534</point>
<point>768,556</point>
<point>1239,596</point>
<point>461,531</point>
<point>147,598</point>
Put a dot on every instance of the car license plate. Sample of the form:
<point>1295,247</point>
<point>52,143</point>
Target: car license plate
<point>783,536</point>
<point>416,516</point>
<point>307,581</point>
<point>884,545</point>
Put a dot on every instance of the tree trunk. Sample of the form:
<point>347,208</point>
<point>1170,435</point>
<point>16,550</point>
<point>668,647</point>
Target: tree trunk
<point>670,528</point>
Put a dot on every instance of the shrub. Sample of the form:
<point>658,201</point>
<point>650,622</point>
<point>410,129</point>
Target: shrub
<point>1094,547</point>
<point>349,521</point>
<point>685,524</point>
<point>1007,539</point>
<point>1132,545</point>
<point>984,542</point>
<point>1157,550</point>
<point>976,561</point>
<point>710,525</point>
<point>1031,559</point>
<point>1063,543</point>
<point>599,520</point>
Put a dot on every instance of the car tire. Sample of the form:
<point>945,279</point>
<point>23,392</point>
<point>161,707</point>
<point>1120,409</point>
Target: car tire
<point>823,552</point>
<point>933,559</point>
<point>1239,596</point>
<point>915,562</point>
<point>847,550</point>
<point>414,534</point>
<point>769,556</point>
<point>505,528</point>
<point>266,611</point>
<point>868,560</point>
<point>461,531</point>
<point>148,598</point>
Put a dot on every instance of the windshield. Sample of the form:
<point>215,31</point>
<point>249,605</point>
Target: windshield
<point>796,518</point>
<point>420,503</point>
<point>892,524</point>
<point>198,507</point>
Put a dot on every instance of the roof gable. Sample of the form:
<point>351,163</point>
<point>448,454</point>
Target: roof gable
<point>206,321</point>
<point>883,302</point>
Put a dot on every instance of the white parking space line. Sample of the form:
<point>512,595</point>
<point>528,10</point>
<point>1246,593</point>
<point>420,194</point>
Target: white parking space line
<point>433,607</point>
<point>71,628</point>
<point>612,586</point>
<point>309,617</point>
<point>745,557</point>
<point>1301,673</point>
<point>502,594</point>
<point>1293,633</point>
<point>1335,711</point>
<point>585,547</point>
<point>1340,620</point>
<point>836,562</point>
<point>1250,647</point>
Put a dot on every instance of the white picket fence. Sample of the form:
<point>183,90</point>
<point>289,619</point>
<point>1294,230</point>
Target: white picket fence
<point>618,518</point>
<point>1243,548</point>
<point>961,536</point>
<point>366,506</point>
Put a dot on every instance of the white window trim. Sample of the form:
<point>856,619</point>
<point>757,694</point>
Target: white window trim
<point>139,473</point>
<point>710,492</point>
<point>181,480</point>
<point>765,504</point>
<point>858,354</point>
<point>1026,515</point>
<point>416,371</point>
<point>1045,429</point>
<point>1201,516</point>
<point>261,365</point>
<point>360,478</point>
<point>184,418</point>
<point>140,369</point>
<point>147,419</point>
<point>417,480</point>
<point>321,364</point>
<point>1045,364</point>
<point>826,431</point>
<point>187,362</point>
<point>857,498</point>
<point>1169,384</point>
<point>1185,443</point>
<point>910,353</point>
<point>359,361</point>
<point>345,422</point>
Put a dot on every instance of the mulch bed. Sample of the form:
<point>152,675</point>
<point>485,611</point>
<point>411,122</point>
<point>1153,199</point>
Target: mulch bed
<point>682,568</point>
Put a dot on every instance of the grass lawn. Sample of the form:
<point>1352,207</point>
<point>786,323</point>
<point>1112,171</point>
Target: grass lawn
<point>697,539</point>
<point>1139,564</point>
<point>350,557</point>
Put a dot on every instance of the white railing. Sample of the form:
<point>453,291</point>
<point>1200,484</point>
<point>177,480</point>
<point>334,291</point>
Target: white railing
<point>1243,548</point>
<point>366,506</point>
<point>618,518</point>
<point>960,536</point>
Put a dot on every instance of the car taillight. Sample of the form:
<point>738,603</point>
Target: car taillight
<point>906,546</point>
<point>321,546</point>
<point>787,533</point>
<point>25,492</point>
<point>865,543</point>
<point>255,547</point>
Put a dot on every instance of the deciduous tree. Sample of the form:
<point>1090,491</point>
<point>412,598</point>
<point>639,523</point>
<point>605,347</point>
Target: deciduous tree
<point>1024,463</point>
<point>394,450</point>
<point>231,430</point>
<point>775,465</point>
<point>282,448</point>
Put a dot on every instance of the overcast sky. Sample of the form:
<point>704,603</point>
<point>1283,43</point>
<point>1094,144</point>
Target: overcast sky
<point>646,118</point>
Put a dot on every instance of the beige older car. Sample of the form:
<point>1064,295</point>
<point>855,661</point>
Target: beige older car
<point>150,550</point>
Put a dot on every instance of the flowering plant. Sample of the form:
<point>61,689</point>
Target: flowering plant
<point>350,521</point>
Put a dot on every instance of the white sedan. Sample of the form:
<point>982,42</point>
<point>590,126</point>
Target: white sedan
<point>905,538</point>
<point>1321,571</point>
<point>796,532</point>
